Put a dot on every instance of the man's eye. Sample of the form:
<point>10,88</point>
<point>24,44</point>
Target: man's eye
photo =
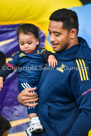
<point>57,34</point>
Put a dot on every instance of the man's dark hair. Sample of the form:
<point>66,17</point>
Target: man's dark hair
<point>67,16</point>
<point>27,29</point>
<point>4,125</point>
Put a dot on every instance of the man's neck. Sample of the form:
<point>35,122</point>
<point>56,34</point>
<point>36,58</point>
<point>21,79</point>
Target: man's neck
<point>73,42</point>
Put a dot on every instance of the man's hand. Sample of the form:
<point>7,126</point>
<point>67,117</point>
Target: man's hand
<point>28,98</point>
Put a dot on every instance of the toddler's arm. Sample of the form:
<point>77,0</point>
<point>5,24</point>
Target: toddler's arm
<point>52,60</point>
<point>48,57</point>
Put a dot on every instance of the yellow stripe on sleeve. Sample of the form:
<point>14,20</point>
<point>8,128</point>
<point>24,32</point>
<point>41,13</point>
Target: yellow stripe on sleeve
<point>85,70</point>
<point>79,70</point>
<point>82,69</point>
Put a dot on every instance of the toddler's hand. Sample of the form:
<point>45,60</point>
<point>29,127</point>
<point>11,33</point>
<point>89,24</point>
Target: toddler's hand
<point>1,83</point>
<point>52,61</point>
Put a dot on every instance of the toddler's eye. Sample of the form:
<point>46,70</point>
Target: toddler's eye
<point>21,43</point>
<point>29,42</point>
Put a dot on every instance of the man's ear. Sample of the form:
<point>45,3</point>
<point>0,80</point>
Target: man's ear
<point>73,33</point>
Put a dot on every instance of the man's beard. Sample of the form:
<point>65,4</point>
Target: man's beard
<point>64,47</point>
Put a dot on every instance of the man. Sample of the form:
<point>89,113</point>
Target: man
<point>64,105</point>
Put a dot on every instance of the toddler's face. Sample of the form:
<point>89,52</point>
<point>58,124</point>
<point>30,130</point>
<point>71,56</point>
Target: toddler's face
<point>27,42</point>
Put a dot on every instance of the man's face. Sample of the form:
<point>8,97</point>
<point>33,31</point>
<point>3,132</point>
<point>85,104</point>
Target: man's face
<point>59,37</point>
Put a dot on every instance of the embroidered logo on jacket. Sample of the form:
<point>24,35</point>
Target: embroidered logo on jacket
<point>61,68</point>
<point>22,55</point>
<point>38,52</point>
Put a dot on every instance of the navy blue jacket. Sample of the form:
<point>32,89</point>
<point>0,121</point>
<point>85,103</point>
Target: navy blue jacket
<point>65,94</point>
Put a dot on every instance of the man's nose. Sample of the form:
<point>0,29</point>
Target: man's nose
<point>52,38</point>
